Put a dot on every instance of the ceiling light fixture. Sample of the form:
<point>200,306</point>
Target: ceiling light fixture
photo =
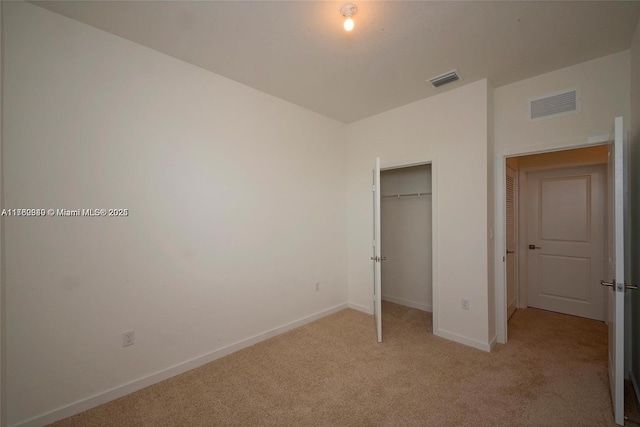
<point>348,10</point>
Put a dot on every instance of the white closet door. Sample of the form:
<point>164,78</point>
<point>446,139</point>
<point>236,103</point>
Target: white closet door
<point>377,246</point>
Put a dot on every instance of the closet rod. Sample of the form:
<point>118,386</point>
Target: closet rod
<point>397,196</point>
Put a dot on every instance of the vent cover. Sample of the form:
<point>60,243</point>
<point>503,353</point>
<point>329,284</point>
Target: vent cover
<point>554,105</point>
<point>445,78</point>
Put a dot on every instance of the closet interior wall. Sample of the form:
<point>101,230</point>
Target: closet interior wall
<point>406,236</point>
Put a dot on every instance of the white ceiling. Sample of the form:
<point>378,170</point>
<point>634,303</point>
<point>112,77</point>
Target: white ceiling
<point>298,50</point>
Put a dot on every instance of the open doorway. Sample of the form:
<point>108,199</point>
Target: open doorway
<point>406,234</point>
<point>556,231</point>
<point>616,216</point>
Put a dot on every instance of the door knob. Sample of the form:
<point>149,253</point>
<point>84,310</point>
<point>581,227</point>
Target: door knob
<point>534,247</point>
<point>612,284</point>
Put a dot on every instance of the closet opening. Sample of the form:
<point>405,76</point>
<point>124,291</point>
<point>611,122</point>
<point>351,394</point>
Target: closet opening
<point>406,235</point>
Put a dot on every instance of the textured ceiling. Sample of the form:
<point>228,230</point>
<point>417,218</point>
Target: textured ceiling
<point>298,50</point>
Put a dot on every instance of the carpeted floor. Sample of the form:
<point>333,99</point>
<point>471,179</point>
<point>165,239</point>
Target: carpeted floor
<point>333,373</point>
<point>631,407</point>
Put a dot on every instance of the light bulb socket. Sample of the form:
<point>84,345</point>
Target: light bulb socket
<point>348,10</point>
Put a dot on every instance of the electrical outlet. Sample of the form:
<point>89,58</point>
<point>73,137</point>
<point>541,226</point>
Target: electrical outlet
<point>127,338</point>
<point>465,304</point>
<point>317,286</point>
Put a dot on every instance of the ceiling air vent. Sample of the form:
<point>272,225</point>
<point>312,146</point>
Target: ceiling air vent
<point>445,78</point>
<point>554,105</point>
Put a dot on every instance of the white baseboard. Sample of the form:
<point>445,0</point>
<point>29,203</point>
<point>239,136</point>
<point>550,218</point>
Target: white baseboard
<point>408,303</point>
<point>635,385</point>
<point>130,387</point>
<point>452,336</point>
<point>361,308</point>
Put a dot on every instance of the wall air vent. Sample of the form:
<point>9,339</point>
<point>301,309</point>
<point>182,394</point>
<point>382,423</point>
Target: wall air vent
<point>554,105</point>
<point>445,78</point>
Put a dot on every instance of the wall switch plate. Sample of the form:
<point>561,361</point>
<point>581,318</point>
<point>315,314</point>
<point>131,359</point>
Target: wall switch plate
<point>127,338</point>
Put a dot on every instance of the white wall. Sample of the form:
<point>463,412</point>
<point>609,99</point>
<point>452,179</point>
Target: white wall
<point>237,206</point>
<point>634,191</point>
<point>604,88</point>
<point>406,237</point>
<point>449,129</point>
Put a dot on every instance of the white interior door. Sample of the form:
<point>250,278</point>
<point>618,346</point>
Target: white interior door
<point>377,251</point>
<point>512,244</point>
<point>616,282</point>
<point>565,240</point>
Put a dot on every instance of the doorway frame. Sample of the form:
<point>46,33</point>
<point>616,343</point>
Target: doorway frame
<point>500,182</point>
<point>386,164</point>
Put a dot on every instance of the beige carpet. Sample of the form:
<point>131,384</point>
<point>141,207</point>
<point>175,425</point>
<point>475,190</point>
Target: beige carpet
<point>333,372</point>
